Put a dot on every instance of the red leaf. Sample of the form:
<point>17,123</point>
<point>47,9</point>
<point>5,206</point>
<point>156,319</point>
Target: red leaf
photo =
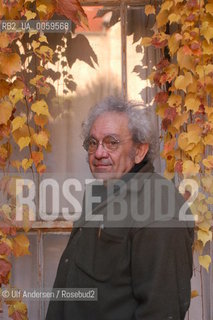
<point>165,123</point>
<point>161,97</point>
<point>191,17</point>
<point>179,166</point>
<point>187,50</point>
<point>162,64</point>
<point>158,43</point>
<point>170,113</point>
<point>5,267</point>
<point>4,249</point>
<point>72,10</point>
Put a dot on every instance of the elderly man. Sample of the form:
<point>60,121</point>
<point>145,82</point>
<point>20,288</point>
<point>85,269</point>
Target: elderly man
<point>129,243</point>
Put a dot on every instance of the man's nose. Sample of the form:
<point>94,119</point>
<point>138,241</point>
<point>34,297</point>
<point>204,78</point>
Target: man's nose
<point>101,152</point>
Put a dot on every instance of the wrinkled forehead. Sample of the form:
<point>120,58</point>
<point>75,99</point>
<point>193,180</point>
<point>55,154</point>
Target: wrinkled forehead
<point>110,123</point>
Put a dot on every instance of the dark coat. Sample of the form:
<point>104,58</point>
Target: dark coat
<point>141,270</point>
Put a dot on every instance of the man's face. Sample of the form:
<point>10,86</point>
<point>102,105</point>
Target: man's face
<point>112,164</point>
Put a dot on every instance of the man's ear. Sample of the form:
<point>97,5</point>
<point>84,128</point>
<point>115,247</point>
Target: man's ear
<point>141,151</point>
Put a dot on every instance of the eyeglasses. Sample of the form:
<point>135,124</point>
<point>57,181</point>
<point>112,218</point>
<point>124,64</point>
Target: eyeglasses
<point>109,143</point>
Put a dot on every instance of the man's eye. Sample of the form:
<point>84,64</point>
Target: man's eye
<point>92,143</point>
<point>113,142</point>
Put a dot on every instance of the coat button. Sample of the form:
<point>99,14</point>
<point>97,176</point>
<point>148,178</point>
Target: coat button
<point>66,260</point>
<point>80,229</point>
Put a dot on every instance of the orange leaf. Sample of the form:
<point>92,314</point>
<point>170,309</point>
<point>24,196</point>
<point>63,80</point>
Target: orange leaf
<point>4,88</point>
<point>37,157</point>
<point>5,267</point>
<point>162,18</point>
<point>41,138</point>
<point>149,9</point>
<point>194,294</point>
<point>4,40</point>
<point>10,63</point>
<point>21,245</point>
<point>16,164</point>
<point>5,111</point>
<point>41,168</point>
<point>71,10</point>
<point>40,120</point>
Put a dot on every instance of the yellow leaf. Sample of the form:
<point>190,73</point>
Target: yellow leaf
<point>185,61</point>
<point>193,127</point>
<point>202,208</point>
<point>10,63</point>
<point>41,139</point>
<point>162,18</point>
<point>188,140</point>
<point>45,51</point>
<point>194,294</point>
<point>204,236</point>
<point>146,41</point>
<point>207,48</point>
<point>149,9</point>
<point>18,122</point>
<point>26,163</point>
<point>208,140</point>
<point>209,200</point>
<point>22,132</point>
<point>160,110</point>
<point>205,261</point>
<point>208,162</point>
<point>209,8</point>
<point>171,72</point>
<point>43,38</point>
<point>5,111</point>
<point>18,308</point>
<point>196,152</point>
<point>23,142</point>
<point>192,102</point>
<point>182,82</point>
<point>42,8</point>
<point>40,107</point>
<point>32,33</point>
<point>30,15</point>
<point>21,245</point>
<point>207,31</point>
<point>35,44</point>
<point>169,175</point>
<point>174,18</point>
<point>180,120</point>
<point>190,168</point>
<point>166,5</point>
<point>174,100</point>
<point>208,215</point>
<point>205,225</point>
<point>16,95</point>
<point>207,182</point>
<point>174,42</point>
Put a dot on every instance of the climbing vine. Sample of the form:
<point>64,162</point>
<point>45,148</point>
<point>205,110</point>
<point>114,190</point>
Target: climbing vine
<point>26,82</point>
<point>183,33</point>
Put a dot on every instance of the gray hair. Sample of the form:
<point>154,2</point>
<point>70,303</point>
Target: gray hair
<point>140,121</point>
